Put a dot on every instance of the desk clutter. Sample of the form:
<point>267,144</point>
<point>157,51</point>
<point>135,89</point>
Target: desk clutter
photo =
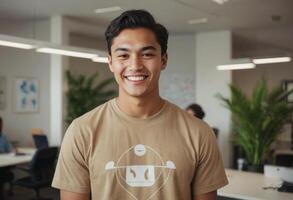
<point>283,173</point>
<point>250,185</point>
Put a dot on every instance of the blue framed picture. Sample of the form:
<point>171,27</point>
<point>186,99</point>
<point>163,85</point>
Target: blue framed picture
<point>27,95</point>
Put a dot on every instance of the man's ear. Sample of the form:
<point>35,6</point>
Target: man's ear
<point>164,60</point>
<point>110,62</point>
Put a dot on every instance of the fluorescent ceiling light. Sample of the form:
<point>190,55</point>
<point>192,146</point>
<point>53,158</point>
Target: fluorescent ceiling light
<point>220,1</point>
<point>100,59</point>
<point>47,47</point>
<point>16,44</point>
<point>66,52</point>
<point>236,66</point>
<point>239,63</point>
<point>109,9</point>
<point>271,60</point>
<point>198,21</point>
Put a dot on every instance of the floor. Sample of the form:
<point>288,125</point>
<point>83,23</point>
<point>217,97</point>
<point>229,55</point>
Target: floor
<point>20,193</point>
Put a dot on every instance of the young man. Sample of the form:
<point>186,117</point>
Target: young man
<point>138,146</point>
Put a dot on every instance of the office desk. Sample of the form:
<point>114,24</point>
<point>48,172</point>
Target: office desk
<point>11,159</point>
<point>249,186</point>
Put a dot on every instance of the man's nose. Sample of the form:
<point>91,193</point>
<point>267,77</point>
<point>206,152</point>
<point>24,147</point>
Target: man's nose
<point>136,63</point>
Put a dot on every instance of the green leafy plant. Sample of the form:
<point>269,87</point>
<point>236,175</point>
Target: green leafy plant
<point>83,95</point>
<point>257,121</point>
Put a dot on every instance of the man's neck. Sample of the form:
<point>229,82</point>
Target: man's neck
<point>140,107</point>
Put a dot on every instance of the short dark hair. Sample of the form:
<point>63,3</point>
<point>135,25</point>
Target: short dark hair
<point>137,19</point>
<point>197,110</point>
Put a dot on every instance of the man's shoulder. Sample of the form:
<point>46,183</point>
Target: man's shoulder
<point>101,109</point>
<point>192,122</point>
<point>179,112</point>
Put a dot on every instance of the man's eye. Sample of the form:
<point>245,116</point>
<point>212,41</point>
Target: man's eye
<point>123,56</point>
<point>147,55</point>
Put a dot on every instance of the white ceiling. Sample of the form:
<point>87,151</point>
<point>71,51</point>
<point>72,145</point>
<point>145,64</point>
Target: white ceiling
<point>248,19</point>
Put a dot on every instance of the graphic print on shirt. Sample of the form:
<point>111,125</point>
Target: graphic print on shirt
<point>141,168</point>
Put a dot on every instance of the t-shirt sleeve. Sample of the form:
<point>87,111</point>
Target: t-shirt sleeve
<point>210,173</point>
<point>72,172</point>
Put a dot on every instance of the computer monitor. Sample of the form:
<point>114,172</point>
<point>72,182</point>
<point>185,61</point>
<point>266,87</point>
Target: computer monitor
<point>41,141</point>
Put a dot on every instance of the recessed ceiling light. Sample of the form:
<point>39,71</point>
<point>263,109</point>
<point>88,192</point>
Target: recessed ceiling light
<point>220,1</point>
<point>198,21</point>
<point>109,9</point>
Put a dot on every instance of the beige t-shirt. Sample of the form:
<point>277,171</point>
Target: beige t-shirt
<point>113,156</point>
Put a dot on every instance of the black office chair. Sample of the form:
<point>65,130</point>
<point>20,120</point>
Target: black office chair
<point>6,176</point>
<point>41,170</point>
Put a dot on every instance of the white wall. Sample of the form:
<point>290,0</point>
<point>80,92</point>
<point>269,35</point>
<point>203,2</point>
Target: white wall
<point>24,63</point>
<point>48,69</point>
<point>212,49</point>
<point>273,73</point>
<point>86,66</point>
<point>178,79</point>
<point>39,29</point>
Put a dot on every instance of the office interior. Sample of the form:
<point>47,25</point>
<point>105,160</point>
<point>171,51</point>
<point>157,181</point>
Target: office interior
<point>203,35</point>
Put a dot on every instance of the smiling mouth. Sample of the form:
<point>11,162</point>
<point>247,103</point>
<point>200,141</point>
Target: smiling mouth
<point>136,77</point>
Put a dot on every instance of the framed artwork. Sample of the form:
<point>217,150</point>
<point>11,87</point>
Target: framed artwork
<point>2,92</point>
<point>288,86</point>
<point>27,95</point>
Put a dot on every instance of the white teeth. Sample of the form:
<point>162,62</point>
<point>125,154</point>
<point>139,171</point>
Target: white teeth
<point>136,78</point>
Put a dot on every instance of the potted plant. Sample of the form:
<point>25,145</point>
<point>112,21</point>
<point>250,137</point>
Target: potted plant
<point>83,95</point>
<point>256,121</point>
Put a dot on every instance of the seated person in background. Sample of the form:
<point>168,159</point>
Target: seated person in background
<point>197,111</point>
<point>5,146</point>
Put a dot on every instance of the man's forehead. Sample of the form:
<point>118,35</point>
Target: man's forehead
<point>138,38</point>
<point>128,48</point>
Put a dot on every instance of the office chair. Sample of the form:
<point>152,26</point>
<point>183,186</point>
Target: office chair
<point>6,176</point>
<point>41,170</point>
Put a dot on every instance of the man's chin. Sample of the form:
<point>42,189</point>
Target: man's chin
<point>136,93</point>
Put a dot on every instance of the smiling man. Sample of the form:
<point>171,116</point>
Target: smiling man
<point>138,146</point>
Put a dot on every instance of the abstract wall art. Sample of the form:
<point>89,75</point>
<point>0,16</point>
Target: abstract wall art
<point>27,95</point>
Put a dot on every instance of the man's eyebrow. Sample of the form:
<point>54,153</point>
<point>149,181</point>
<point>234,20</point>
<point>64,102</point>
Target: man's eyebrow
<point>121,49</point>
<point>142,49</point>
<point>148,48</point>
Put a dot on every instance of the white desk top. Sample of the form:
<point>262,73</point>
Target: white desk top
<point>10,159</point>
<point>249,186</point>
